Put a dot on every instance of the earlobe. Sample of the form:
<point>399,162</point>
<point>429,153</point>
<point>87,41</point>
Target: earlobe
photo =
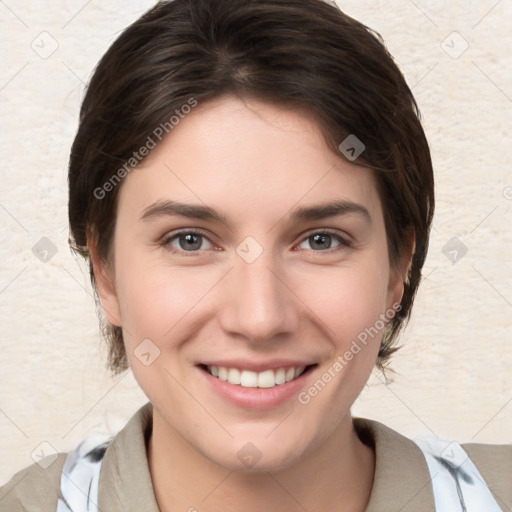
<point>104,279</point>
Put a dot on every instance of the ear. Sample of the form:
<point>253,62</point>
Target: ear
<point>104,278</point>
<point>400,271</point>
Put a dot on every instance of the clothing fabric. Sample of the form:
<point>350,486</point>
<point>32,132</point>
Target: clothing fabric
<point>80,476</point>
<point>456,482</point>
<point>402,478</point>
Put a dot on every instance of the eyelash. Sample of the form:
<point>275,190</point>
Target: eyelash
<point>344,243</point>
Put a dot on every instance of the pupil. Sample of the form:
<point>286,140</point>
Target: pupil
<point>189,244</point>
<point>192,241</point>
<point>323,240</point>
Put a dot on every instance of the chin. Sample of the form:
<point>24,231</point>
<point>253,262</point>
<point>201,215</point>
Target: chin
<point>264,464</point>
<point>261,454</point>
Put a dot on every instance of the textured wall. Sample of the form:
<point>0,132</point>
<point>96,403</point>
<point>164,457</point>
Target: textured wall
<point>453,372</point>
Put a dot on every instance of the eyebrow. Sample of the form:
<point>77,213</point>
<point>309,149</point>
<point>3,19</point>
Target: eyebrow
<point>169,208</point>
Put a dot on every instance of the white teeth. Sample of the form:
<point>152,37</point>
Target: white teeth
<point>223,373</point>
<point>266,379</point>
<point>250,379</point>
<point>234,376</point>
<point>280,376</point>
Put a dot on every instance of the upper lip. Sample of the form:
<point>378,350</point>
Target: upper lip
<point>257,366</point>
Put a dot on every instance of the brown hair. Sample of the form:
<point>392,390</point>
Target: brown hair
<point>302,54</point>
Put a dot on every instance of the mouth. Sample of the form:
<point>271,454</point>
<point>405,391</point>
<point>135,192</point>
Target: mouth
<point>269,378</point>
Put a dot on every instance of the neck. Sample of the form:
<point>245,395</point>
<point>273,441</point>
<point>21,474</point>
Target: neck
<point>336,476</point>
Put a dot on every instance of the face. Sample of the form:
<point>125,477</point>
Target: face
<point>245,250</point>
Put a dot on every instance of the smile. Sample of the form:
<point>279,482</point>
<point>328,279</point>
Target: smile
<point>253,385</point>
<point>250,379</point>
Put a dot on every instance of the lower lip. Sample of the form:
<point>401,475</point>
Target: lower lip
<point>256,398</point>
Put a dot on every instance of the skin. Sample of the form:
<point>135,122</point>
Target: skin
<point>255,163</point>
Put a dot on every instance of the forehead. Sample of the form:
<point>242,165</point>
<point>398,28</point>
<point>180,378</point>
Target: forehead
<point>247,159</point>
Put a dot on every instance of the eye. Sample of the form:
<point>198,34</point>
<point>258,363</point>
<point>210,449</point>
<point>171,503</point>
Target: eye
<point>193,241</point>
<point>187,241</point>
<point>321,241</point>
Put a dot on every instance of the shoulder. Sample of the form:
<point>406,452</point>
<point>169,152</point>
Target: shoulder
<point>35,487</point>
<point>488,456</point>
<point>494,462</point>
<point>401,475</point>
<point>38,486</point>
<point>401,467</point>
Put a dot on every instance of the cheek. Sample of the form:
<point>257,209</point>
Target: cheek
<point>353,310</point>
<point>346,299</point>
<point>155,298</point>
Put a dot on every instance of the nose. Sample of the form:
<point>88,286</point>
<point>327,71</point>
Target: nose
<point>260,305</point>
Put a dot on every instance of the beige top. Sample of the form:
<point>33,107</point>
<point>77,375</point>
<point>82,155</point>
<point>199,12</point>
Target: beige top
<point>401,483</point>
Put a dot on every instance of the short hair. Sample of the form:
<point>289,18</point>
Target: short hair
<point>305,55</point>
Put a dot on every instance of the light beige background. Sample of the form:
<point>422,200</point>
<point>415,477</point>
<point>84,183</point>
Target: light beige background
<point>453,374</point>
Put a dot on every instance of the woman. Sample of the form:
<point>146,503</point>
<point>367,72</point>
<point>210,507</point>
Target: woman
<point>252,186</point>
